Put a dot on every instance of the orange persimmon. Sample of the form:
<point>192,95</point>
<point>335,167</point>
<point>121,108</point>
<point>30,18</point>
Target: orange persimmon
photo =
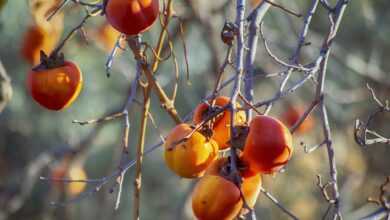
<point>107,37</point>
<point>55,88</point>
<point>58,172</point>
<point>216,197</point>
<point>189,158</point>
<point>69,172</point>
<point>76,173</point>
<point>43,34</point>
<point>255,3</point>
<point>245,169</point>
<point>221,124</point>
<point>36,39</point>
<point>132,17</point>
<point>293,114</point>
<point>268,146</point>
<point>250,185</point>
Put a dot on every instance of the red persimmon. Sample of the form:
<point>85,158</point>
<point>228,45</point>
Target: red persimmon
<point>293,114</point>
<point>268,146</point>
<point>221,124</point>
<point>217,197</point>
<point>55,88</point>
<point>132,17</point>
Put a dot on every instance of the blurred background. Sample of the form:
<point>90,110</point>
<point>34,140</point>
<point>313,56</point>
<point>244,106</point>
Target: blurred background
<point>33,140</point>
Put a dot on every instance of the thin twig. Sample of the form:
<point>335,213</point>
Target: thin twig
<point>278,204</point>
<point>255,21</point>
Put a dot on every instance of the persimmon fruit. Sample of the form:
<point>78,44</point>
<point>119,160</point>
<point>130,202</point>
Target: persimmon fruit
<point>221,123</point>
<point>268,146</point>
<point>44,34</point>
<point>293,114</point>
<point>72,172</point>
<point>217,197</point>
<point>76,173</point>
<point>244,168</point>
<point>36,39</point>
<point>189,158</point>
<point>59,172</point>
<point>255,3</point>
<point>107,37</point>
<point>55,88</point>
<point>132,17</point>
<point>250,185</point>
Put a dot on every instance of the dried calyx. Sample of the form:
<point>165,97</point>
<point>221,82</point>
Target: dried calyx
<point>49,62</point>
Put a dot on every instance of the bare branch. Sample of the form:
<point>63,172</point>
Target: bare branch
<point>278,204</point>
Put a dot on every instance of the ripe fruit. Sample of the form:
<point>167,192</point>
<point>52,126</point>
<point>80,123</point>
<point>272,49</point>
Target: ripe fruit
<point>293,114</point>
<point>55,88</point>
<point>191,157</point>
<point>107,37</point>
<point>216,197</point>
<point>245,169</point>
<point>250,186</point>
<point>44,34</point>
<point>36,39</point>
<point>74,172</point>
<point>221,123</point>
<point>268,146</point>
<point>59,172</point>
<point>132,17</point>
<point>255,3</point>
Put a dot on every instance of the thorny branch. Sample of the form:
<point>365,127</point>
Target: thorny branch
<point>278,204</point>
<point>271,2</point>
<point>257,17</point>
<point>335,18</point>
<point>294,61</point>
<point>362,130</point>
<point>383,200</point>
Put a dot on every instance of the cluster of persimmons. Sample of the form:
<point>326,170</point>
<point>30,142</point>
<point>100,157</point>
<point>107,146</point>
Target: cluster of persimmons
<point>264,144</point>
<point>193,151</point>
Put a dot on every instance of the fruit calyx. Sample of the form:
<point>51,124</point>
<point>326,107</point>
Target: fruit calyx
<point>210,117</point>
<point>214,111</point>
<point>55,60</point>
<point>230,174</point>
<point>238,140</point>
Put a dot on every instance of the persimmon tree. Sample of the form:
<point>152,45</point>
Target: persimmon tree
<point>227,141</point>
